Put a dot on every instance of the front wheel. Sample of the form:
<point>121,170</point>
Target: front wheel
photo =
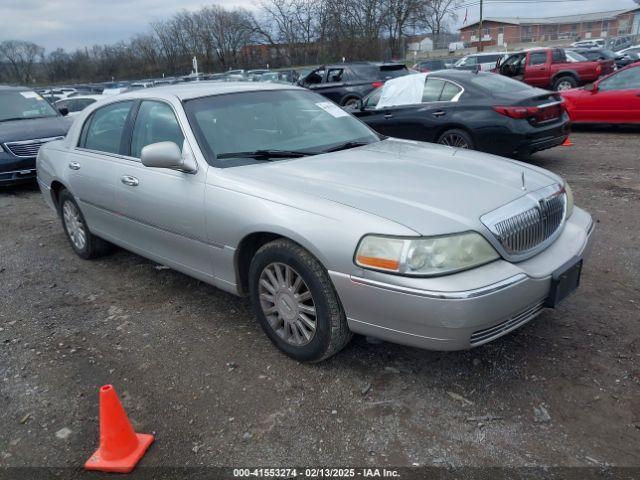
<point>296,303</point>
<point>456,138</point>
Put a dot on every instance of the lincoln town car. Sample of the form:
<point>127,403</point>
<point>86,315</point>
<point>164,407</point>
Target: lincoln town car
<point>274,192</point>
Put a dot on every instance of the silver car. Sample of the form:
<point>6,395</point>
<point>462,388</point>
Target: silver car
<point>274,192</point>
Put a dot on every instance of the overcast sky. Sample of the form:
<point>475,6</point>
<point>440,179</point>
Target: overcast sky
<point>78,23</point>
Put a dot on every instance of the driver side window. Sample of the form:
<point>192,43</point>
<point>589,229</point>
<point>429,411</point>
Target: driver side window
<point>625,80</point>
<point>155,122</point>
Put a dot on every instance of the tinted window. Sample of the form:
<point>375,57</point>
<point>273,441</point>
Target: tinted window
<point>103,130</point>
<point>386,72</point>
<point>155,123</point>
<point>432,90</point>
<point>558,56</point>
<point>449,92</point>
<point>538,58</point>
<point>489,58</point>
<point>372,100</point>
<point>492,83</point>
<point>625,80</point>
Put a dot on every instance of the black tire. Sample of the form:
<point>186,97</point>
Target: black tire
<point>331,332</point>
<point>349,101</point>
<point>93,247</point>
<point>564,83</point>
<point>464,140</point>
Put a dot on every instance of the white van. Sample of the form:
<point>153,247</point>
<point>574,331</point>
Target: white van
<point>484,62</point>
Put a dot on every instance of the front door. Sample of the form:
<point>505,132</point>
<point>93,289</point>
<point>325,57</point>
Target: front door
<point>163,209</point>
<point>617,100</point>
<point>537,69</point>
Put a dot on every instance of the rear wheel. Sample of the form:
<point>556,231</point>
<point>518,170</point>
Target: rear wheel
<point>296,303</point>
<point>564,83</point>
<point>456,138</point>
<point>84,243</point>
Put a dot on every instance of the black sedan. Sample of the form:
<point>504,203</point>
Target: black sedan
<point>481,111</point>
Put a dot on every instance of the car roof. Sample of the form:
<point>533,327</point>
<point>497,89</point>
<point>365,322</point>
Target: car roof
<point>186,91</point>
<point>97,96</point>
<point>10,88</point>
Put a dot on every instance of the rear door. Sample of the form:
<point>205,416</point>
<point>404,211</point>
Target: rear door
<point>162,208</point>
<point>537,68</point>
<point>91,165</point>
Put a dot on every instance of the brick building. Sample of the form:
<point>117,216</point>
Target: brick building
<point>499,31</point>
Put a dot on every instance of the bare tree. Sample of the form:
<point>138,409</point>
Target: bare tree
<point>21,57</point>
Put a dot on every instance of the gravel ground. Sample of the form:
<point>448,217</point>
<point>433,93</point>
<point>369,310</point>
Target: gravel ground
<point>191,364</point>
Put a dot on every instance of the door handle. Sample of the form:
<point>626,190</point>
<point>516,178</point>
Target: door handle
<point>74,165</point>
<point>129,180</point>
<point>439,113</point>
<point>388,116</point>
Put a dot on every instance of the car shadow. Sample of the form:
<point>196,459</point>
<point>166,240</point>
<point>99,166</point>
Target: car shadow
<point>19,188</point>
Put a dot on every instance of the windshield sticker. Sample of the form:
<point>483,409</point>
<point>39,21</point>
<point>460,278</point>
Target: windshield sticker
<point>31,95</point>
<point>332,109</point>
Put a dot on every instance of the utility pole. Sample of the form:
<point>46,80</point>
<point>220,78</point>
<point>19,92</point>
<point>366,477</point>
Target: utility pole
<point>480,30</point>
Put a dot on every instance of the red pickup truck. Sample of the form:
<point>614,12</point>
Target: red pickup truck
<point>548,68</point>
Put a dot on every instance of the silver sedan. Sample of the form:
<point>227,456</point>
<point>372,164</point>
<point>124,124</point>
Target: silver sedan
<point>274,192</point>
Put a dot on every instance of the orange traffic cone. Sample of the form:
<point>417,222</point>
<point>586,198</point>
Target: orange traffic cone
<point>568,143</point>
<point>120,447</point>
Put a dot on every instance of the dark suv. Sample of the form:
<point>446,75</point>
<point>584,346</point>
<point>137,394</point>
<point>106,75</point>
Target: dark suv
<point>26,122</point>
<point>347,83</point>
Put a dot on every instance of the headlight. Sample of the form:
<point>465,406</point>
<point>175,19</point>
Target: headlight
<point>426,256</point>
<point>569,193</point>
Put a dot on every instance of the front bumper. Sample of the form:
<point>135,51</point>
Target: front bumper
<point>431,313</point>
<point>14,170</point>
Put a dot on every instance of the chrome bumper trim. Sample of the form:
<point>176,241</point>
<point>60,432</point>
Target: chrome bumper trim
<point>461,295</point>
<point>24,171</point>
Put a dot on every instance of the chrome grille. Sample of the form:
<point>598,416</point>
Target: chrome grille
<point>526,230</point>
<point>486,335</point>
<point>525,225</point>
<point>28,148</point>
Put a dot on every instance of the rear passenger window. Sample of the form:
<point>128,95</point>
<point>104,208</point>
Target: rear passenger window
<point>103,131</point>
<point>155,123</point>
<point>432,90</point>
<point>538,58</point>
<point>449,92</point>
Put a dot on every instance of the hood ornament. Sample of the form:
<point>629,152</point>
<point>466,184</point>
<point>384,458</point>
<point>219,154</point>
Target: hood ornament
<point>524,183</point>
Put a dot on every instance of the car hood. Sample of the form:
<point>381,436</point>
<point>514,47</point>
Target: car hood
<point>428,188</point>
<point>29,129</point>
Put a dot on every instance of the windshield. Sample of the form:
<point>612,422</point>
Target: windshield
<point>277,120</point>
<point>21,105</point>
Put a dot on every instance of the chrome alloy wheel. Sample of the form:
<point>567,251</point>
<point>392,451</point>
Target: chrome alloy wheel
<point>287,303</point>
<point>454,140</point>
<point>565,85</point>
<point>73,224</point>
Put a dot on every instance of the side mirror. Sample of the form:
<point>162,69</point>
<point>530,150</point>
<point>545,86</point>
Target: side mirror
<point>64,111</point>
<point>593,88</point>
<point>360,105</point>
<point>167,155</point>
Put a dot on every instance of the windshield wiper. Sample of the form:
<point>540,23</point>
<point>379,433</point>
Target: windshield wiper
<point>265,154</point>
<point>14,118</point>
<point>346,146</point>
